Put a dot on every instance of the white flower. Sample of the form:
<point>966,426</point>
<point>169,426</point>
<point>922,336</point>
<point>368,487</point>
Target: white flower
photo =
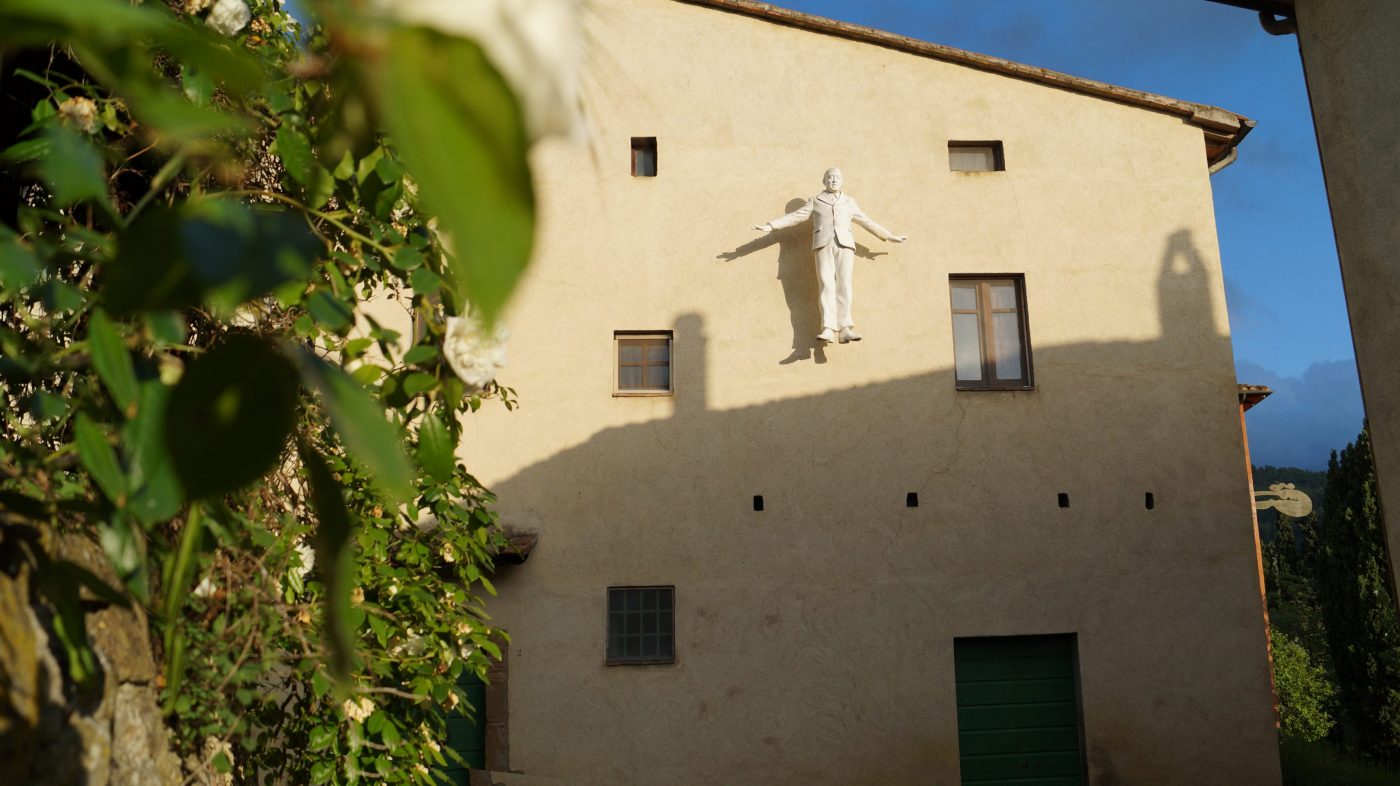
<point>308,559</point>
<point>412,646</point>
<point>463,629</point>
<point>206,588</point>
<point>357,596</point>
<point>228,16</point>
<point>537,46</point>
<point>358,711</point>
<point>392,589</point>
<point>448,555</point>
<point>474,355</point>
<point>421,770</point>
<point>79,111</point>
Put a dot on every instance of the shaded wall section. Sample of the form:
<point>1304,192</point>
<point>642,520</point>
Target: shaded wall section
<point>1354,82</point>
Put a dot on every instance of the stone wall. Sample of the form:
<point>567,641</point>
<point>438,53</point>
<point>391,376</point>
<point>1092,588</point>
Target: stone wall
<point>52,734</point>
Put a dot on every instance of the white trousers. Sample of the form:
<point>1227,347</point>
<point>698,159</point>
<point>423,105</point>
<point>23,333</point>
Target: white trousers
<point>835,266</point>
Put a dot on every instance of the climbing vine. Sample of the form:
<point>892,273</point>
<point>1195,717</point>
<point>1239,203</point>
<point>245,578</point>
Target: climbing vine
<point>235,351</point>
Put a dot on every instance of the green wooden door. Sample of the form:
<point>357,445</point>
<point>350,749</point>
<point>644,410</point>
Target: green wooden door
<point>466,734</point>
<point>1018,711</point>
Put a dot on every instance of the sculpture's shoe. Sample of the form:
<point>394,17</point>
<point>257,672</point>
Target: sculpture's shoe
<point>827,336</point>
<point>849,334</point>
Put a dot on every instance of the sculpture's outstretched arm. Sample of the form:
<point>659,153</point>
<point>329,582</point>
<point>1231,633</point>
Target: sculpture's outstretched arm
<point>791,219</point>
<point>875,229</point>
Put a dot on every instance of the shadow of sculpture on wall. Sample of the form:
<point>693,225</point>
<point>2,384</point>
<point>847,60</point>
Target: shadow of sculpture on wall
<point>799,279</point>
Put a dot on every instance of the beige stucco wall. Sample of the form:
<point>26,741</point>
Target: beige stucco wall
<point>815,639</point>
<point>1354,82</point>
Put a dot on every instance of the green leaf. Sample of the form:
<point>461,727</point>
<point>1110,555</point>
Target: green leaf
<point>44,405</point>
<point>425,282</point>
<point>346,168</point>
<point>419,382</point>
<point>330,312</point>
<point>321,737</point>
<point>295,151</point>
<point>167,327</point>
<point>61,296</point>
<point>100,460</point>
<point>99,17</point>
<point>462,135</point>
<point>229,416</point>
<point>118,541</point>
<point>437,451</point>
<point>19,267</point>
<point>197,85</point>
<point>406,258</point>
<point>68,622</point>
<point>73,169</point>
<point>320,684</point>
<point>112,361</point>
<point>359,420</point>
<point>420,354</point>
<point>216,252</point>
<point>28,150</point>
<point>157,496</point>
<point>335,554</point>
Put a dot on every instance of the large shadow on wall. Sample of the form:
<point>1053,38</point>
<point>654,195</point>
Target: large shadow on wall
<point>815,449</point>
<point>837,548</point>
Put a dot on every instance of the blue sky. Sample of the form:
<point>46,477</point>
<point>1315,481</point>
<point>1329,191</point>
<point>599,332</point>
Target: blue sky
<point>1283,288</point>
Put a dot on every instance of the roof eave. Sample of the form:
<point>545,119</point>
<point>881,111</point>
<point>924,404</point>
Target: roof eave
<point>1223,129</point>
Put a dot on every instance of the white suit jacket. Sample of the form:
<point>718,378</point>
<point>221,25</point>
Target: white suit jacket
<point>831,216</point>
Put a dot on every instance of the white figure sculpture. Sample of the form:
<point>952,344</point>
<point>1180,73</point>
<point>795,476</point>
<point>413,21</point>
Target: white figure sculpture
<point>834,247</point>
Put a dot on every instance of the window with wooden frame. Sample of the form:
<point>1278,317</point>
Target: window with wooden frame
<point>641,625</point>
<point>991,339</point>
<point>643,362</point>
<point>976,157</point>
<point>643,156</point>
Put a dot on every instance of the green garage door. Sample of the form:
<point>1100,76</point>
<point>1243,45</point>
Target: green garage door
<point>466,734</point>
<point>1018,711</point>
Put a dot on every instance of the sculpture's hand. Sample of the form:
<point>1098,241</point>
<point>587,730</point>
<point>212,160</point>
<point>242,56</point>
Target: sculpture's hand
<point>898,238</point>
<point>764,228</point>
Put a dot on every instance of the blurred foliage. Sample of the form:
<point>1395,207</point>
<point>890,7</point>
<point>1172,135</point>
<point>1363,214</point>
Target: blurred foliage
<point>191,225</point>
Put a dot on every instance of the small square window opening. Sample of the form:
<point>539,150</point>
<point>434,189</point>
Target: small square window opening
<point>991,338</point>
<point>643,362</point>
<point>643,156</point>
<point>641,625</point>
<point>976,157</point>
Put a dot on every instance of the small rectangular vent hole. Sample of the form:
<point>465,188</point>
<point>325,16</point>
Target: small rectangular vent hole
<point>1150,501</point>
<point>1064,500</point>
<point>911,500</point>
<point>758,502</point>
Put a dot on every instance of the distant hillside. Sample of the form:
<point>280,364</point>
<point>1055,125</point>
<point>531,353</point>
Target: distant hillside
<point>1305,480</point>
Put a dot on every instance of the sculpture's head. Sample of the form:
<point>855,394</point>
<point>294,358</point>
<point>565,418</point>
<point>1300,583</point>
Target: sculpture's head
<point>832,180</point>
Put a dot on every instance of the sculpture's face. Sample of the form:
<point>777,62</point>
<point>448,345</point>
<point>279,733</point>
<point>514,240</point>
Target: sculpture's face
<point>832,180</point>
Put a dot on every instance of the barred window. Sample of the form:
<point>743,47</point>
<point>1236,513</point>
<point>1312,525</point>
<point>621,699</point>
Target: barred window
<point>641,625</point>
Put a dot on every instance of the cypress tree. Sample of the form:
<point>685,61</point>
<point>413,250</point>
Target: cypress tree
<point>1363,632</point>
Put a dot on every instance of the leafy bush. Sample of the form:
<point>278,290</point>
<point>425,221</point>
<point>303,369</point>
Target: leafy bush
<point>197,205</point>
<point>1304,693</point>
